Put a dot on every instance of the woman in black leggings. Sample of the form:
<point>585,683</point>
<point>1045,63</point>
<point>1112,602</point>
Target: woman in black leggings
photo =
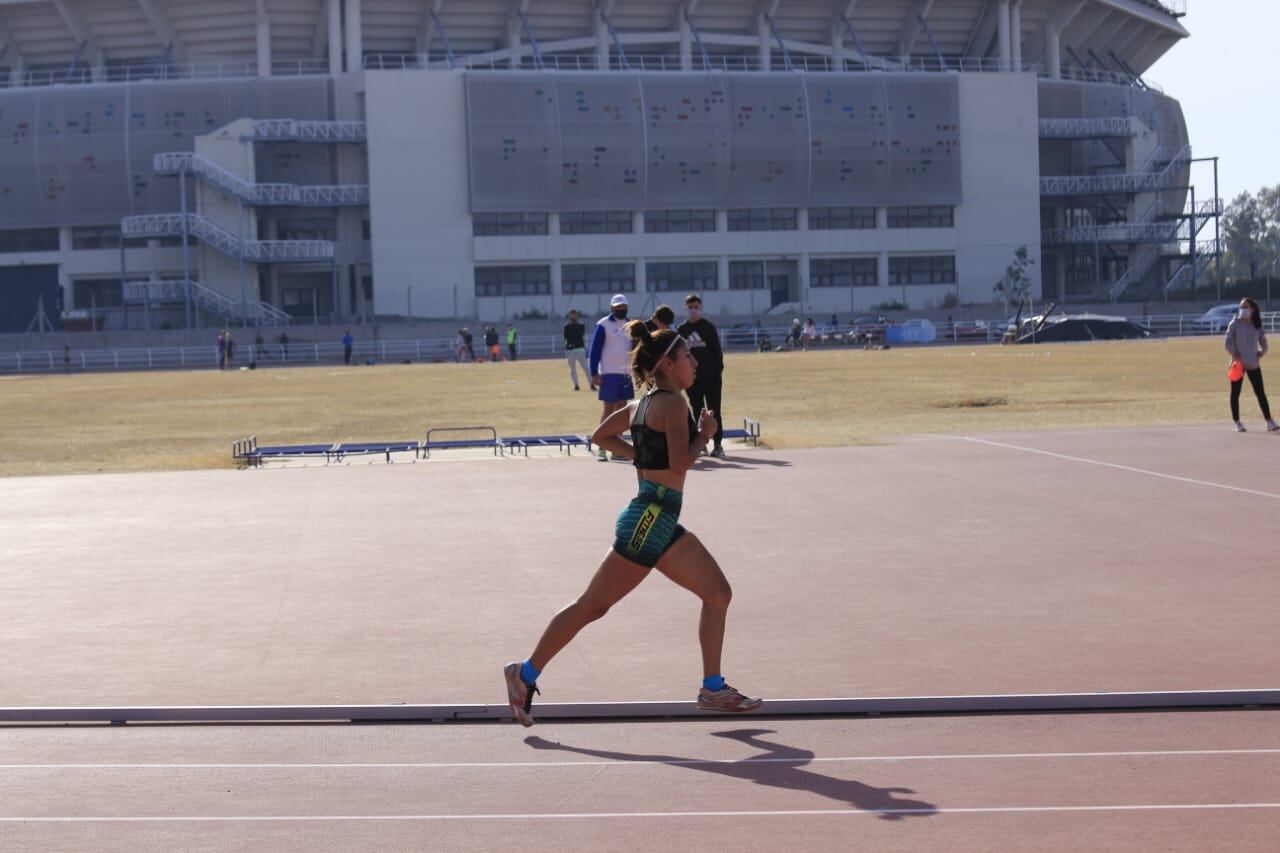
<point>1246,343</point>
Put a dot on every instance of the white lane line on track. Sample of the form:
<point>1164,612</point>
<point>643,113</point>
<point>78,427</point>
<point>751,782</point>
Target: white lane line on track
<point>677,762</point>
<point>618,815</point>
<point>1114,465</point>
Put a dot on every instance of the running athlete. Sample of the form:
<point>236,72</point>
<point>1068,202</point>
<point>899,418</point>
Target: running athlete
<point>665,444</point>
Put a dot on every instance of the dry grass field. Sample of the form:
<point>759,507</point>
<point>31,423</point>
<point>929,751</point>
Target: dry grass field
<point>171,421</point>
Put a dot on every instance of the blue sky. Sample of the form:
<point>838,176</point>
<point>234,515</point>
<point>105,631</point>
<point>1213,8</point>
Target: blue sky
<point>1227,77</point>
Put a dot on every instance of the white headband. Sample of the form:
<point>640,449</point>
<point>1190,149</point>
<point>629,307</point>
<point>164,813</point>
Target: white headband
<point>671,346</point>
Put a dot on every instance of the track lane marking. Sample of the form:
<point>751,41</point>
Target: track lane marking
<point>617,815</point>
<point>681,762</point>
<point>1114,465</point>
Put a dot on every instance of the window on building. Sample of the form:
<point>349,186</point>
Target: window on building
<point>95,237</point>
<point>29,240</point>
<point>923,269</point>
<point>597,222</point>
<point>842,272</point>
<point>841,218</point>
<point>97,293</point>
<point>366,230</point>
<point>746,275</point>
<point>684,276</point>
<point>679,221</point>
<point>509,224</point>
<point>935,216</point>
<point>763,219</point>
<point>306,228</point>
<point>598,278</point>
<point>513,281</point>
<point>298,301</point>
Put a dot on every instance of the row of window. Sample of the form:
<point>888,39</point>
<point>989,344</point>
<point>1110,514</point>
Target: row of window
<point>696,276</point>
<point>704,221</point>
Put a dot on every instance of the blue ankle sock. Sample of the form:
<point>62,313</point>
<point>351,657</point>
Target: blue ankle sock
<point>713,682</point>
<point>528,674</point>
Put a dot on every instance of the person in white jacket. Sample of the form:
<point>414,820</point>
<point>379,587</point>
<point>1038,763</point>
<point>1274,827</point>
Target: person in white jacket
<point>610,360</point>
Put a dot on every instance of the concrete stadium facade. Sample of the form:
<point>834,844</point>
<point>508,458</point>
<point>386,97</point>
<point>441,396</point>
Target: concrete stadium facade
<point>171,162</point>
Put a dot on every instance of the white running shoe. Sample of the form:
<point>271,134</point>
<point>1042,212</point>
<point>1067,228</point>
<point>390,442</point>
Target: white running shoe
<point>601,455</point>
<point>1272,426</point>
<point>519,694</point>
<point>726,699</point>
<point>1240,427</point>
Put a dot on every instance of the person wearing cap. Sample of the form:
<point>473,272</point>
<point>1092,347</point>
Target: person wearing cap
<point>575,348</point>
<point>704,343</point>
<point>609,360</point>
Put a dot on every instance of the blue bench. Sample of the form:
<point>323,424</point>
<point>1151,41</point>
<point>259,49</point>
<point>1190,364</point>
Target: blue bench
<point>564,443</point>
<point>365,448</point>
<point>249,452</point>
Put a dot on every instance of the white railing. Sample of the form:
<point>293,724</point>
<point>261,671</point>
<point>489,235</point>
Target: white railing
<point>501,61</point>
<point>159,71</point>
<point>263,195</point>
<point>290,130</point>
<point>1127,183</point>
<point>1089,128</point>
<point>254,251</point>
<point>297,352</point>
<point>1122,232</point>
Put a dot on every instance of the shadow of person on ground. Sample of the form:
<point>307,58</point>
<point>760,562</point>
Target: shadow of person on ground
<point>779,766</point>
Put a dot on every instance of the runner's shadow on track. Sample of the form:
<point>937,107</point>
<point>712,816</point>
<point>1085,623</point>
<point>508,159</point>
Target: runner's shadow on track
<point>779,766</point>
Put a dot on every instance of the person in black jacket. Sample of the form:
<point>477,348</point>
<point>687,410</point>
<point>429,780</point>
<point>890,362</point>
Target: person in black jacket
<point>704,343</point>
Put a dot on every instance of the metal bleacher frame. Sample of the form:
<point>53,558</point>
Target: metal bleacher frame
<point>249,452</point>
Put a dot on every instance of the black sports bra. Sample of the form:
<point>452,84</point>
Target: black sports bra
<point>651,445</point>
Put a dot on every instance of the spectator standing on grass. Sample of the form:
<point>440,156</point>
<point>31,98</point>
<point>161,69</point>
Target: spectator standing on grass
<point>468,344</point>
<point>222,350</point>
<point>512,337</point>
<point>231,350</point>
<point>793,337</point>
<point>284,346</point>
<point>575,348</point>
<point>610,360</point>
<point>704,343</point>
<point>347,343</point>
<point>810,332</point>
<point>1246,343</point>
<point>491,342</point>
<point>459,347</point>
<point>259,345</point>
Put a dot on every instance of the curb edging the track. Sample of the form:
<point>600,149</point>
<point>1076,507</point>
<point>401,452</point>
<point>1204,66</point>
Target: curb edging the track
<point>1103,701</point>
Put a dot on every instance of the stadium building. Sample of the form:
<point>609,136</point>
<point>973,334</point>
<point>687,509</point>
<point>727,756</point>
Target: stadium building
<point>170,162</point>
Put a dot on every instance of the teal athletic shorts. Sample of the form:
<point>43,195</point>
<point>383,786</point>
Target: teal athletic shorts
<point>648,526</point>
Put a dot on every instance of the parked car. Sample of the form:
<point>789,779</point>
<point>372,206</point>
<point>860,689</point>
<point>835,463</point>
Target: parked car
<point>969,329</point>
<point>866,327</point>
<point>1216,319</point>
<point>740,335</point>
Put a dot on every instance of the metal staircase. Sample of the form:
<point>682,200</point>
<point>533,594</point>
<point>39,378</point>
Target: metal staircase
<point>1141,181</point>
<point>1091,128</point>
<point>324,132</point>
<point>260,195</point>
<point>251,251</point>
<point>174,291</point>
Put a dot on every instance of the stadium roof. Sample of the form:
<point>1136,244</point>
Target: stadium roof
<point>47,33</point>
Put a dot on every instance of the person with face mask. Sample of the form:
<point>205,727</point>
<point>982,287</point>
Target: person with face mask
<point>1246,343</point>
<point>609,361</point>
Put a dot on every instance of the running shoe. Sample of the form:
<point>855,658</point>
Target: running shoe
<point>718,452</point>
<point>1240,427</point>
<point>1272,426</point>
<point>726,699</point>
<point>601,456</point>
<point>519,694</point>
